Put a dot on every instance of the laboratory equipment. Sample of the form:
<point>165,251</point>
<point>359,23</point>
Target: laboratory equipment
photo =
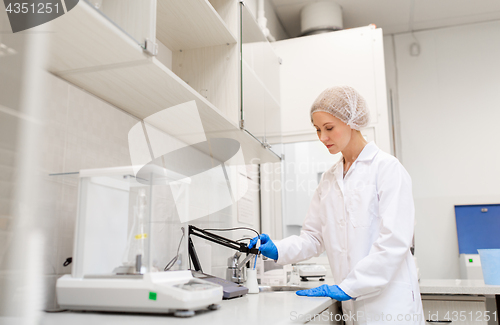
<point>236,272</point>
<point>115,266</point>
<point>132,260</point>
<point>267,247</point>
<point>490,265</point>
<point>477,228</point>
<point>229,289</point>
<point>294,276</point>
<point>312,271</point>
<point>470,267</point>
<point>251,283</point>
<point>273,274</point>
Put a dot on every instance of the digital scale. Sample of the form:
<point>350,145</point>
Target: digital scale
<point>174,292</point>
<point>114,266</point>
<point>311,271</point>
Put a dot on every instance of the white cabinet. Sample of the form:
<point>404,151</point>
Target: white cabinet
<point>310,64</point>
<point>466,310</point>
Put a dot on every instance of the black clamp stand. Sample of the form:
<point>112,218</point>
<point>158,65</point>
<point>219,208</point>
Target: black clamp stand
<point>192,230</point>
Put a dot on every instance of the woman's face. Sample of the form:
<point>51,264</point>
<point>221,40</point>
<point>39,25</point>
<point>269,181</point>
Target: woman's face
<point>334,133</point>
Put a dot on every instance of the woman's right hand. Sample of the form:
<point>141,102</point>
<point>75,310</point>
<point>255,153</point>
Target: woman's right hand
<point>267,247</point>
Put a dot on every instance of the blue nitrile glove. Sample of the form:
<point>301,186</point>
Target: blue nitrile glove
<point>267,247</point>
<point>325,290</point>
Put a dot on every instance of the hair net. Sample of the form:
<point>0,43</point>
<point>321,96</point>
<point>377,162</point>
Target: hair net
<point>345,103</point>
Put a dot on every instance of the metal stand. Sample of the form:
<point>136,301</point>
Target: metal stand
<point>192,230</point>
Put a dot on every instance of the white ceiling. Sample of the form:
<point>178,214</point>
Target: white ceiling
<point>394,16</point>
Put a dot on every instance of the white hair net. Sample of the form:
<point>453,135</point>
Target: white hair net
<point>345,103</point>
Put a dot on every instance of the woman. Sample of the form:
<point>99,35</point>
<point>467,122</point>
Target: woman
<point>362,214</point>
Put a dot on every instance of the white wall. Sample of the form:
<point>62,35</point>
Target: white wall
<point>449,108</point>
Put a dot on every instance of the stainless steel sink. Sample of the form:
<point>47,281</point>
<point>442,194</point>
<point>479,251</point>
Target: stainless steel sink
<point>280,288</point>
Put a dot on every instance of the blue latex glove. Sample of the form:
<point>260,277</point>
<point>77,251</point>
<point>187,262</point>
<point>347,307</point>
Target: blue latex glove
<point>325,290</point>
<point>267,247</point>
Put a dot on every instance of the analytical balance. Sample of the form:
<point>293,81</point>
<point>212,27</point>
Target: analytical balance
<point>115,264</point>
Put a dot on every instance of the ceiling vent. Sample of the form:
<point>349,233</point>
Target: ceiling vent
<point>320,17</point>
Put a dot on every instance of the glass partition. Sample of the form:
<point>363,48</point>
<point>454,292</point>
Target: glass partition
<point>304,165</point>
<point>260,84</point>
<point>126,225</point>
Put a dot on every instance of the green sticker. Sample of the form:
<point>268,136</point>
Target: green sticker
<point>152,296</point>
<point>470,260</point>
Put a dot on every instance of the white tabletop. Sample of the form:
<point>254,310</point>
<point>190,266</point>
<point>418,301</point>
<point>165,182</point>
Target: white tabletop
<point>457,287</point>
<point>263,308</point>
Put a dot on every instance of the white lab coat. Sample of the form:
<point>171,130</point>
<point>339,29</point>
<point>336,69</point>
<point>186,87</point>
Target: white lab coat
<point>365,223</point>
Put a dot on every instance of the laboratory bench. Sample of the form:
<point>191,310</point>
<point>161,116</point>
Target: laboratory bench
<point>457,287</point>
<point>455,299</point>
<point>279,307</point>
<point>286,307</point>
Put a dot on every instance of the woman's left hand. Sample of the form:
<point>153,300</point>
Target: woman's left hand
<point>325,290</point>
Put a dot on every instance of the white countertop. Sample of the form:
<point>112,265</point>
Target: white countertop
<point>262,308</point>
<point>265,307</point>
<point>457,287</point>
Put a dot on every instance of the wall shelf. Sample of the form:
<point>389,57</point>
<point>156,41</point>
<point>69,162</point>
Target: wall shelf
<point>85,38</point>
<point>190,24</point>
<point>141,86</point>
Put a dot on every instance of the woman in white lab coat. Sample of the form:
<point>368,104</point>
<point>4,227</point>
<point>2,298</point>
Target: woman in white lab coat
<point>362,214</point>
